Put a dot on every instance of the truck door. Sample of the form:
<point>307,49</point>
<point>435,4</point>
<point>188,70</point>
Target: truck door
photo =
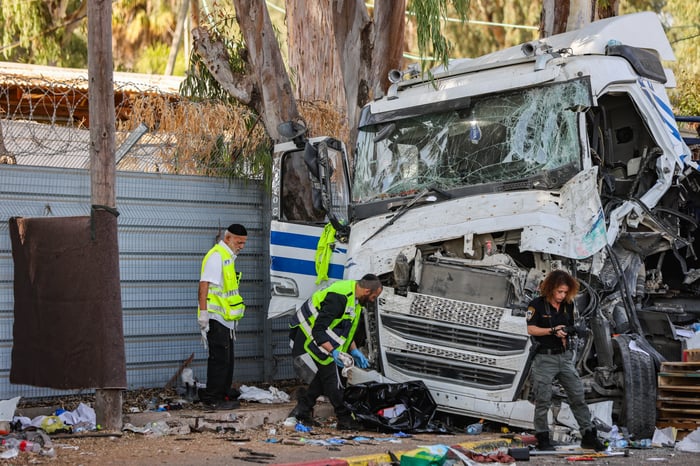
<point>310,190</point>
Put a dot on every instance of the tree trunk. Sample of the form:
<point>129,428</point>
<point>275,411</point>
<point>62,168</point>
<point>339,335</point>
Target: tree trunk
<point>177,37</point>
<point>568,15</point>
<point>363,47</point>
<point>388,46</point>
<point>554,18</point>
<point>607,9</point>
<point>353,36</point>
<point>273,98</point>
<point>313,58</point>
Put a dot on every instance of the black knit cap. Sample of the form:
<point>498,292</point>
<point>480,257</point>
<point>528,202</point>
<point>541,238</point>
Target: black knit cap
<point>237,229</point>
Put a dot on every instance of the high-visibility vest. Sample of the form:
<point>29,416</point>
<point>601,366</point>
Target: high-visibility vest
<point>225,300</point>
<point>324,251</point>
<point>340,332</point>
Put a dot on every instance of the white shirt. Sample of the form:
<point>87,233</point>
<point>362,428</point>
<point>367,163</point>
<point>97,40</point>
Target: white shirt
<point>213,272</point>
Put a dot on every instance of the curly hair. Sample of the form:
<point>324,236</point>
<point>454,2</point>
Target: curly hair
<point>554,280</point>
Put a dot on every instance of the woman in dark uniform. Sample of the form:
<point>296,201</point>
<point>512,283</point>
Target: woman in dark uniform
<point>547,317</point>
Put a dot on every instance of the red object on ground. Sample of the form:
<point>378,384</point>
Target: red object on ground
<point>326,462</point>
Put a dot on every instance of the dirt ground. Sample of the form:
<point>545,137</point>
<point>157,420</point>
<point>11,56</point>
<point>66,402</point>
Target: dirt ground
<point>250,448</point>
<point>270,443</point>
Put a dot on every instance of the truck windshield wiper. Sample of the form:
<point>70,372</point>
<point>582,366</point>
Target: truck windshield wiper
<point>405,208</point>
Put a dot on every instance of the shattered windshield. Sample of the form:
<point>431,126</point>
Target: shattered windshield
<point>494,138</point>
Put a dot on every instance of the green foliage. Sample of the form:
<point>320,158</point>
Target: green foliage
<point>431,15</point>
<point>228,158</point>
<point>244,162</point>
<point>476,39</point>
<point>32,31</point>
<point>154,60</point>
<point>686,97</point>
<point>198,82</point>
<point>681,21</point>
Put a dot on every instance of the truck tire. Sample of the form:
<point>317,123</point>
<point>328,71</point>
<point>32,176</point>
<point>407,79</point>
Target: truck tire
<point>638,412</point>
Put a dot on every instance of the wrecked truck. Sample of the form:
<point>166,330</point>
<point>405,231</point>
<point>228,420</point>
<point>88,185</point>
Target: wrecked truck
<point>470,184</point>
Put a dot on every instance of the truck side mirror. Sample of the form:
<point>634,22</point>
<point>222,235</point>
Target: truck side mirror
<point>293,131</point>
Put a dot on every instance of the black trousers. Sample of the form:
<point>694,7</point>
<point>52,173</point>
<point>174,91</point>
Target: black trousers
<point>219,364</point>
<point>326,382</point>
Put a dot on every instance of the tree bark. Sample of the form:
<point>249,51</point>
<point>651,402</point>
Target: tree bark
<point>388,43</point>
<point>554,17</point>
<point>273,100</point>
<point>568,15</point>
<point>313,58</point>
<point>352,28</point>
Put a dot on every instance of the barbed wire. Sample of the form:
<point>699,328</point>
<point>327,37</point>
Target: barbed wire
<point>45,122</point>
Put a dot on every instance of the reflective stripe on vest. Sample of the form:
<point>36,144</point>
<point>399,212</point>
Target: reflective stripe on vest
<point>225,301</point>
<point>340,332</point>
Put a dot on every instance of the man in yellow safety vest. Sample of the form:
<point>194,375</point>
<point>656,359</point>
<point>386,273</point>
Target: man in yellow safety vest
<point>322,334</point>
<point>220,308</point>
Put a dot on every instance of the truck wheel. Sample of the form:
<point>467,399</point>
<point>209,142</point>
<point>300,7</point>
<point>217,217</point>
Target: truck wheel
<point>639,388</point>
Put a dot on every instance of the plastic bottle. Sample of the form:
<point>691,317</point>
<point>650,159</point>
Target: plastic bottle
<point>21,445</point>
<point>475,429</point>
<point>26,445</point>
<point>10,443</point>
<point>613,436</point>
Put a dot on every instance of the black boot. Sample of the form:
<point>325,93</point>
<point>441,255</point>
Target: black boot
<point>590,441</point>
<point>348,422</point>
<point>543,443</point>
<point>303,416</point>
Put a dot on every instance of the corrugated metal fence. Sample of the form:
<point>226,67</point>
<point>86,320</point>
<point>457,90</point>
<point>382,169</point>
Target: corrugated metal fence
<point>166,225</point>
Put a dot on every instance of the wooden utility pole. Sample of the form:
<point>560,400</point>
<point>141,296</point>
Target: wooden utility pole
<point>108,404</point>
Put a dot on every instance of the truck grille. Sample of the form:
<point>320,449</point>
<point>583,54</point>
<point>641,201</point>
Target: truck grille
<point>457,312</point>
<point>455,336</point>
<point>422,367</point>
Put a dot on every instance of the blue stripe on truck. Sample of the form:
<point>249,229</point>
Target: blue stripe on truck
<point>295,240</point>
<point>302,267</point>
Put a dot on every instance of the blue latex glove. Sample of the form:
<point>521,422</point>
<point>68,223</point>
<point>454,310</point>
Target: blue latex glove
<point>360,359</point>
<point>336,357</point>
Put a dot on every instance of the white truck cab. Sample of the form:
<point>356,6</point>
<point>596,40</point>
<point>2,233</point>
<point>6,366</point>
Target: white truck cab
<point>469,187</point>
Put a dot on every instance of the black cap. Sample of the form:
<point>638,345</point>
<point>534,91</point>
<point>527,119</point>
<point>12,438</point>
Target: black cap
<point>237,229</point>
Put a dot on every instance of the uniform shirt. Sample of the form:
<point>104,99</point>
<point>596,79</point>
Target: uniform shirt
<point>213,272</point>
<point>541,314</point>
<point>332,307</point>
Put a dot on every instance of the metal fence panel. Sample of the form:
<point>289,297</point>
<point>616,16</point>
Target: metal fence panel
<point>166,225</point>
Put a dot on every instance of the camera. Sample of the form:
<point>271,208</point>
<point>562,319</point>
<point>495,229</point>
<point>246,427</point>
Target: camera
<point>577,329</point>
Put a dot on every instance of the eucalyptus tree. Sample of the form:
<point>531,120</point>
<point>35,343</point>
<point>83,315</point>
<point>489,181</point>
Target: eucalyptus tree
<point>337,51</point>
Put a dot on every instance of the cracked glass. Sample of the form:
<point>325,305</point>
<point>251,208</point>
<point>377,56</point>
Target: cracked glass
<point>495,138</point>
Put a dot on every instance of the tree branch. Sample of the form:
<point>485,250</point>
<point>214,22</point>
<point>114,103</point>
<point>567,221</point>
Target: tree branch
<point>216,58</point>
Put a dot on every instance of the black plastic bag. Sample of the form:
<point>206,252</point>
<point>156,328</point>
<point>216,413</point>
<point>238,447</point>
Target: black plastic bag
<point>412,400</point>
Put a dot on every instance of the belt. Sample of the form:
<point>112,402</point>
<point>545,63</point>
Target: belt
<point>551,351</point>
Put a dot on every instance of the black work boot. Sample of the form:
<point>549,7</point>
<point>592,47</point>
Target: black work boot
<point>348,422</point>
<point>543,443</point>
<point>303,416</point>
<point>590,441</point>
